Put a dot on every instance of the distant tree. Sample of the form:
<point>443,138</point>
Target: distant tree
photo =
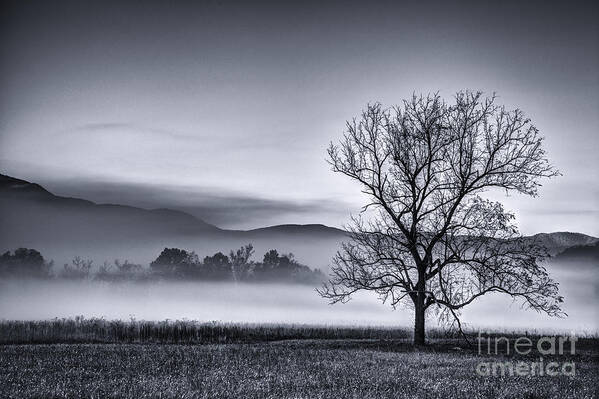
<point>127,267</point>
<point>431,239</point>
<point>119,271</point>
<point>105,272</point>
<point>273,260</point>
<point>284,268</point>
<point>171,257</point>
<point>175,262</point>
<point>78,269</point>
<point>238,266</point>
<point>241,266</point>
<point>217,267</point>
<point>24,262</point>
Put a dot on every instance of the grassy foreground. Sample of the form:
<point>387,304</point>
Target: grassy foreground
<point>94,358</point>
<point>292,369</point>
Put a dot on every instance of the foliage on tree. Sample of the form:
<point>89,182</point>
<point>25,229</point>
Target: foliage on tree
<point>175,261</point>
<point>24,262</point>
<point>216,267</point>
<point>284,267</point>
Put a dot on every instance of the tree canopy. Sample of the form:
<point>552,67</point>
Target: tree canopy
<point>431,237</point>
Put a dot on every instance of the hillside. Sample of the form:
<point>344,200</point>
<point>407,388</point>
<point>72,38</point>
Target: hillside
<point>30,212</point>
<point>63,227</point>
<point>559,241</point>
<point>314,230</point>
<point>587,253</point>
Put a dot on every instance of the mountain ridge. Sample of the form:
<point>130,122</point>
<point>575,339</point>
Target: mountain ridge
<point>34,217</point>
<point>556,238</point>
<point>8,185</point>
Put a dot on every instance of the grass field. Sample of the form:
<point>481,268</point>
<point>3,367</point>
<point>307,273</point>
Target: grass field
<point>274,362</point>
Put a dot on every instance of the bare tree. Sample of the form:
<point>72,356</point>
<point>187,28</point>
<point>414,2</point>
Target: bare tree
<point>241,267</point>
<point>430,239</point>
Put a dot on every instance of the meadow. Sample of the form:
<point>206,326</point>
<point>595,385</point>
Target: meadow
<point>271,341</point>
<point>96,358</point>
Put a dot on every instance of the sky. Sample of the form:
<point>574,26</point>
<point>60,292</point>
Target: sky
<point>225,109</point>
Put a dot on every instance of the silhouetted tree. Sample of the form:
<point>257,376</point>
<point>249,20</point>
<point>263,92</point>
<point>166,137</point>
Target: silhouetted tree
<point>431,238</point>
<point>276,267</point>
<point>120,271</point>
<point>78,269</point>
<point>175,262</point>
<point>24,262</point>
<point>241,266</point>
<point>273,260</point>
<point>105,272</point>
<point>217,267</point>
<point>238,266</point>
<point>127,267</point>
<point>270,268</point>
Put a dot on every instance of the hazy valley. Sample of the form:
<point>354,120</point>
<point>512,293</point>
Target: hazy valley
<point>62,228</point>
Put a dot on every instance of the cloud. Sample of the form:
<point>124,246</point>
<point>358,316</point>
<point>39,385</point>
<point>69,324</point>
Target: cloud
<point>273,139</point>
<point>589,212</point>
<point>131,128</point>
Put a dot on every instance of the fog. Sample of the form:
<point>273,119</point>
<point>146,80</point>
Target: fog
<point>279,303</point>
<point>578,284</point>
<point>227,302</point>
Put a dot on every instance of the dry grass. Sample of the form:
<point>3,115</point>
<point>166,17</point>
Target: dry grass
<point>98,330</point>
<point>95,358</point>
<point>292,369</point>
<point>81,330</point>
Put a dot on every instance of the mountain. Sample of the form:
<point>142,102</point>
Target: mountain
<point>579,253</point>
<point>18,197</point>
<point>28,210</point>
<point>11,187</point>
<point>63,227</point>
<point>559,241</point>
<point>315,230</point>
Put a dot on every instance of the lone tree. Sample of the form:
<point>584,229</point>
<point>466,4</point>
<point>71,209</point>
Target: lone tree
<point>430,239</point>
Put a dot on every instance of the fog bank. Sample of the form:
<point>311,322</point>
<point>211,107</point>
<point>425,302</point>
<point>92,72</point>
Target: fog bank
<point>279,303</point>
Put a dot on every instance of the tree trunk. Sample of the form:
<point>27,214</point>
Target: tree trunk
<point>419,320</point>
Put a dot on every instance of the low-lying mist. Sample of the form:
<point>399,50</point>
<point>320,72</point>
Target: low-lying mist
<point>280,303</point>
<point>205,301</point>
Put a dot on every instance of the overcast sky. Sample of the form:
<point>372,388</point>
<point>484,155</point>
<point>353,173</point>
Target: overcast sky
<point>226,109</point>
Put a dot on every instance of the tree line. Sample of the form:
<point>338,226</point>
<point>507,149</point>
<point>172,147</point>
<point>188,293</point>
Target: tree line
<point>171,264</point>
